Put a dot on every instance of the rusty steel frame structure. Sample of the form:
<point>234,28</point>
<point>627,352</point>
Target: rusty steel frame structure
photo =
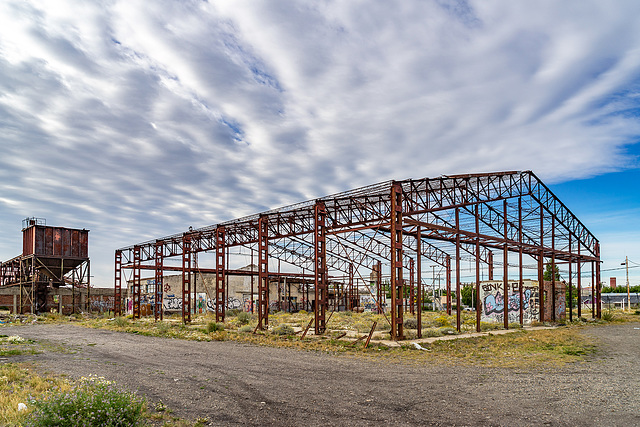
<point>389,229</point>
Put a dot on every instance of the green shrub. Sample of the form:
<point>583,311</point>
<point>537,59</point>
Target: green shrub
<point>92,402</point>
<point>233,312</point>
<point>244,318</point>
<point>121,322</point>
<point>608,316</point>
<point>246,328</point>
<point>410,323</point>
<point>431,332</point>
<point>283,330</point>
<point>447,330</point>
<point>214,327</point>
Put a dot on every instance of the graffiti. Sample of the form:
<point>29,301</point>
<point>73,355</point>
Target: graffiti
<point>100,304</point>
<point>232,304</point>
<point>492,296</point>
<point>495,303</point>
<point>167,288</point>
<point>172,303</point>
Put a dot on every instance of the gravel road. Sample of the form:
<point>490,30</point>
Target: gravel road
<point>237,384</point>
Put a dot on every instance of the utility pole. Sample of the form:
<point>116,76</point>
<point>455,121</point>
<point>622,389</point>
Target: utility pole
<point>626,264</point>
<point>626,261</point>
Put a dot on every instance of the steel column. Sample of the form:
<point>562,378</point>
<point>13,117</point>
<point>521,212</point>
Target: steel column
<point>479,305</point>
<point>570,305</point>
<point>419,281</point>
<point>263,273</point>
<point>412,284</point>
<point>553,269</point>
<point>397,282</point>
<point>135,286</point>
<point>598,284</point>
<point>448,277</point>
<point>520,272</point>
<point>541,297</point>
<point>579,283</point>
<point>321,274</point>
<point>159,285</point>
<point>380,294</point>
<point>220,275</point>
<point>458,282</point>
<point>117,292</point>
<point>505,268</point>
<point>186,278</point>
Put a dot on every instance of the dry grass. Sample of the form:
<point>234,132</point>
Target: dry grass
<point>20,384</point>
<point>523,348</point>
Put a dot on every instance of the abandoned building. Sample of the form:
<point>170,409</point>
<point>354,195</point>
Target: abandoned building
<point>51,273</point>
<point>504,227</point>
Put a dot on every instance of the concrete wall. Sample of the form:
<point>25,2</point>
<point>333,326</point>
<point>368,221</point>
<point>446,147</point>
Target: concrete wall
<point>61,300</point>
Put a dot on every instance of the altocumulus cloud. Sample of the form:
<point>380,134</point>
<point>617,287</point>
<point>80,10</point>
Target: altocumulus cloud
<point>136,119</point>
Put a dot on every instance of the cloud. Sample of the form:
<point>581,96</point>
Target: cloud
<point>137,119</point>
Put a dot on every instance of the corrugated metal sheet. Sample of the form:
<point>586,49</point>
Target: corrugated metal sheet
<point>57,242</point>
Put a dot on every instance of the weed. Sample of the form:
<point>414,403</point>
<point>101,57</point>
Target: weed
<point>91,402</point>
<point>411,323</point>
<point>121,322</point>
<point>608,316</point>
<point>246,328</point>
<point>214,327</point>
<point>283,330</point>
<point>243,318</point>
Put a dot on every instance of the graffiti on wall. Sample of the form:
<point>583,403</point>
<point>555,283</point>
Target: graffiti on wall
<point>101,303</point>
<point>493,301</point>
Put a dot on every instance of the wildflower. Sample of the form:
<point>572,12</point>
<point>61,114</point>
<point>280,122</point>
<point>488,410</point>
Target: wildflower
<point>22,407</point>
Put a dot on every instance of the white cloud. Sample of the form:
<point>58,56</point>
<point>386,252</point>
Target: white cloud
<point>137,119</point>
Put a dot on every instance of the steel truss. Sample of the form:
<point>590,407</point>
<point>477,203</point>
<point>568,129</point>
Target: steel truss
<point>387,229</point>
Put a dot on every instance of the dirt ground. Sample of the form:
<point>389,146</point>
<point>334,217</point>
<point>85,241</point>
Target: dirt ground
<point>236,384</point>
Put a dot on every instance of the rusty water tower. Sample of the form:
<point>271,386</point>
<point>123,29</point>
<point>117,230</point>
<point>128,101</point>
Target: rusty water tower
<point>52,257</point>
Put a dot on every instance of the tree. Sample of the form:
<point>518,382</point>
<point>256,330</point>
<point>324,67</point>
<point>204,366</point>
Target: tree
<point>547,272</point>
<point>467,294</point>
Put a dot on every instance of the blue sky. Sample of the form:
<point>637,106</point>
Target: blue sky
<point>138,119</point>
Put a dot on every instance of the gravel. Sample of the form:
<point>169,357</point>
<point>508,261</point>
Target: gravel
<point>236,384</point>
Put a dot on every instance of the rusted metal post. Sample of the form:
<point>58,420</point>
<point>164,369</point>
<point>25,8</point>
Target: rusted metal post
<point>397,282</point>
<point>221,300</point>
<point>598,284</point>
<point>380,294</point>
<point>579,282</point>
<point>479,305</point>
<point>135,286</point>
<point>570,305</point>
<point>351,290</point>
<point>117,291</point>
<point>419,280</point>
<point>541,298</point>
<point>593,290</point>
<point>490,267</point>
<point>554,309</point>
<point>263,273</point>
<point>448,285</point>
<point>186,278</point>
<point>412,287</point>
<point>321,276</point>
<point>520,272</point>
<point>505,267</point>
<point>458,282</point>
<point>159,292</point>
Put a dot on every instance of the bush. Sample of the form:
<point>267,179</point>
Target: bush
<point>283,330</point>
<point>410,323</point>
<point>121,322</point>
<point>608,316</point>
<point>92,402</point>
<point>447,330</point>
<point>214,327</point>
<point>244,318</point>
<point>246,328</point>
<point>232,312</point>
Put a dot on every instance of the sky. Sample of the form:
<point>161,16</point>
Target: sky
<point>138,119</point>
